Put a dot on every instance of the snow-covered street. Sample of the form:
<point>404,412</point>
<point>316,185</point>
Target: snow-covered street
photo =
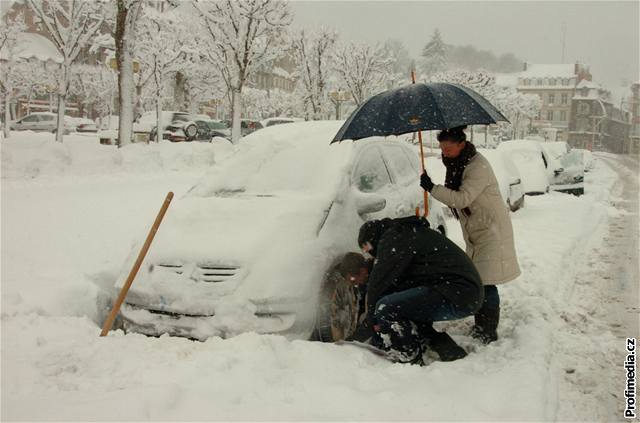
<point>71,212</point>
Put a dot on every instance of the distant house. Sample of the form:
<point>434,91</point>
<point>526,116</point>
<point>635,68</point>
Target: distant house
<point>634,107</point>
<point>598,123</point>
<point>555,84</point>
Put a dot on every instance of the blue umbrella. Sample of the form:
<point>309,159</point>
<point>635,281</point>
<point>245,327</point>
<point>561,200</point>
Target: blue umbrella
<point>418,107</point>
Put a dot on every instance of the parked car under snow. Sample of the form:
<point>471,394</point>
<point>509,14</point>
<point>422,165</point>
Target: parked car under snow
<point>508,176</point>
<point>252,246</point>
<point>532,163</point>
<point>569,167</point>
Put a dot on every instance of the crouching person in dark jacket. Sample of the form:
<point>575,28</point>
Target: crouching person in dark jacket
<point>418,277</point>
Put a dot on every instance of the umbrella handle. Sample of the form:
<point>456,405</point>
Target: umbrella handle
<point>426,194</point>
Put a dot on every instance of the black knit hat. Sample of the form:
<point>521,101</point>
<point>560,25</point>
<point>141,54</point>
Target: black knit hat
<point>371,232</point>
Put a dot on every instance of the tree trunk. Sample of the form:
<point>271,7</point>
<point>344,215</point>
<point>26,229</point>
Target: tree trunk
<point>124,40</point>
<point>235,121</point>
<point>60,125</point>
<point>159,128</point>
<point>7,113</point>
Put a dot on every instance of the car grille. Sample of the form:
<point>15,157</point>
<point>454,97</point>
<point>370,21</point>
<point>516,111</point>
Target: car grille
<point>209,273</point>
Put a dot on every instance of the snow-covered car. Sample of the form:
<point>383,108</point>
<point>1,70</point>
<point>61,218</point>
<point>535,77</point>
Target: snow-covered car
<point>216,128</point>
<point>532,163</point>
<point>568,167</point>
<point>247,126</point>
<point>84,125</point>
<point>41,121</point>
<point>278,121</point>
<point>252,246</point>
<point>176,126</point>
<point>508,176</point>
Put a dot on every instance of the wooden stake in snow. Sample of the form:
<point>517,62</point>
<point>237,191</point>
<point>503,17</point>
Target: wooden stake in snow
<point>143,252</point>
<point>426,194</point>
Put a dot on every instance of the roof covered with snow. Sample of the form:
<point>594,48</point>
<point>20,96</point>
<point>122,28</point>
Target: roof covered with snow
<point>35,46</point>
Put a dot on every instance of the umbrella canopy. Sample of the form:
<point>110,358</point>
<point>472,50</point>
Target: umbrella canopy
<point>418,107</point>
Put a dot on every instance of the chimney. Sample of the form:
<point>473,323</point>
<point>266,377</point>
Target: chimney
<point>524,67</point>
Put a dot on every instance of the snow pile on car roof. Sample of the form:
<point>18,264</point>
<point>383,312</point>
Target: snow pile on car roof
<point>296,157</point>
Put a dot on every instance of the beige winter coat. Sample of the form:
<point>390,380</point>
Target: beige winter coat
<point>487,231</point>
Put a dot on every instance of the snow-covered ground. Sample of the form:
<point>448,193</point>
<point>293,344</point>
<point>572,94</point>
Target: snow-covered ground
<point>70,214</point>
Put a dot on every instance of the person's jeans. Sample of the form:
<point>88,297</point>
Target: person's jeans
<point>404,319</point>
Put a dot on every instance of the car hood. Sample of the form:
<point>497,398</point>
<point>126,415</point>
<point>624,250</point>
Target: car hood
<point>270,244</point>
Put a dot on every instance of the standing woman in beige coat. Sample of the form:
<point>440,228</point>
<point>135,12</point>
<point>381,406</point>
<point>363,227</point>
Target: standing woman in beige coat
<point>471,191</point>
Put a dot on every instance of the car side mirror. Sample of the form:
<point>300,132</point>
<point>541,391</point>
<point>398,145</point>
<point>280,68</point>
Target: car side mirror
<point>558,171</point>
<point>369,203</point>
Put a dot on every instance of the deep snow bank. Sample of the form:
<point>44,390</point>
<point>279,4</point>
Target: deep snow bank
<point>30,154</point>
<point>57,234</point>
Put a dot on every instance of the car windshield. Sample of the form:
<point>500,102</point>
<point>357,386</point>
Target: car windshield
<point>216,125</point>
<point>572,159</point>
<point>181,118</point>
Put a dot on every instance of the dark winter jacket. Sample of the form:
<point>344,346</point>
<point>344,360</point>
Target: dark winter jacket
<point>410,254</point>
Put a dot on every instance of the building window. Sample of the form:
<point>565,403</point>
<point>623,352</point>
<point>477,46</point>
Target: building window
<point>549,114</point>
<point>526,81</point>
<point>565,81</point>
<point>564,99</point>
<point>563,115</point>
<point>583,108</point>
<point>552,98</point>
<point>552,81</point>
<point>539,81</point>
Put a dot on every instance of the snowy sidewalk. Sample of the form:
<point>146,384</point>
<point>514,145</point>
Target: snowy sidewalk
<point>54,365</point>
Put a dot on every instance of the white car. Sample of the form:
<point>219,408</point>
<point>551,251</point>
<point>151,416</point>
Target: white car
<point>568,167</point>
<point>42,121</point>
<point>532,162</point>
<point>251,247</point>
<point>508,176</point>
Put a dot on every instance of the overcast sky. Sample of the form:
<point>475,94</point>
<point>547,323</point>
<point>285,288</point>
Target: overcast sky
<point>602,34</point>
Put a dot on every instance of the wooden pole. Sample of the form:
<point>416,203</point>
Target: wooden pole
<point>143,252</point>
<point>426,194</point>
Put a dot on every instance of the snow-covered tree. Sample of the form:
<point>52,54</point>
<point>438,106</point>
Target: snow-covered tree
<point>401,63</point>
<point>434,55</point>
<point>71,24</point>
<point>241,37</point>
<point>9,38</point>
<point>127,15</point>
<point>160,47</point>
<point>362,68</point>
<point>34,78</point>
<point>313,54</point>
<point>514,105</point>
<point>95,87</point>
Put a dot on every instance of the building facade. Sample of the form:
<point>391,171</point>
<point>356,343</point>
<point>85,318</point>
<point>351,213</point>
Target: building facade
<point>634,108</point>
<point>598,124</point>
<point>555,85</point>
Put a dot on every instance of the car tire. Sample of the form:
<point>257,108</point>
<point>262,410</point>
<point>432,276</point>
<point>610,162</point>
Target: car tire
<point>190,132</point>
<point>337,316</point>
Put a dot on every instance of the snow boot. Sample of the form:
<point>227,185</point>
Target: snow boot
<point>440,342</point>
<point>446,347</point>
<point>399,341</point>
<point>486,325</point>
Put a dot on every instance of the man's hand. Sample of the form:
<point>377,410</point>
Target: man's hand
<point>425,182</point>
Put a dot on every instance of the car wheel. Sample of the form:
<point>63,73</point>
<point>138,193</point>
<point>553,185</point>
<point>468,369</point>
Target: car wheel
<point>337,310</point>
<point>190,132</point>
